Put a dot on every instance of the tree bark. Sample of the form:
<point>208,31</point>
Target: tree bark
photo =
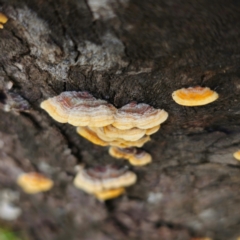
<point>121,51</point>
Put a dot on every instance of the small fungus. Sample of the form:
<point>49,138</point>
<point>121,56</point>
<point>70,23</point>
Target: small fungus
<point>79,109</point>
<point>98,179</point>
<point>136,157</point>
<point>109,194</point>
<point>237,155</point>
<point>125,153</point>
<point>140,158</point>
<point>3,19</point>
<point>138,115</point>
<point>33,182</point>
<point>194,96</point>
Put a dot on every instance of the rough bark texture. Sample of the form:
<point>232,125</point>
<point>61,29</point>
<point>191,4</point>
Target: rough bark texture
<point>125,50</point>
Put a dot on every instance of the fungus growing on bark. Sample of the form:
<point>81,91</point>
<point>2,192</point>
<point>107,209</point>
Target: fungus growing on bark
<point>125,153</point>
<point>100,180</point>
<point>33,182</point>
<point>138,115</point>
<point>136,157</point>
<point>237,155</point>
<point>109,194</point>
<point>3,19</point>
<point>79,109</point>
<point>111,132</point>
<point>194,96</point>
<point>93,137</point>
<point>140,158</point>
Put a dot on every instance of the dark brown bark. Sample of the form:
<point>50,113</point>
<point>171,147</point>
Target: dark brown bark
<point>121,51</point>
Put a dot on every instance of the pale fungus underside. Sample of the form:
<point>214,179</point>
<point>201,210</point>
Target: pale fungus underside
<point>105,182</point>
<point>194,96</point>
<point>33,183</point>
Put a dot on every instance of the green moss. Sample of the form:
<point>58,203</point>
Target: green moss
<point>6,234</point>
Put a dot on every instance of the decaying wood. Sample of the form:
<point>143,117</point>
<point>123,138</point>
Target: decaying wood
<point>121,51</point>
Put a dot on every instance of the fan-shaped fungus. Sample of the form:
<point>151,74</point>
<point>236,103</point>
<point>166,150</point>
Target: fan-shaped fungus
<point>138,115</point>
<point>140,158</point>
<point>79,109</point>
<point>194,96</point>
<point>98,179</point>
<point>34,183</point>
<point>237,155</point>
<point>136,157</point>
<point>111,132</point>
<point>122,152</point>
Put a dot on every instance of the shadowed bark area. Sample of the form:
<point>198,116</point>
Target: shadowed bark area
<point>121,51</point>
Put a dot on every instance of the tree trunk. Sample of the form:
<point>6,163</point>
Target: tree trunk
<point>121,51</point>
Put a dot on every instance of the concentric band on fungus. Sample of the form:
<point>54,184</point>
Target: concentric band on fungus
<point>79,109</point>
<point>194,96</point>
<point>107,179</point>
<point>139,115</point>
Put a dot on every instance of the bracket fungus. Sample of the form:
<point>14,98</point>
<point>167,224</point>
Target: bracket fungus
<point>104,182</point>
<point>79,109</point>
<point>101,123</point>
<point>136,157</point>
<point>237,155</point>
<point>3,20</point>
<point>139,115</point>
<point>93,137</point>
<point>194,96</point>
<point>33,182</point>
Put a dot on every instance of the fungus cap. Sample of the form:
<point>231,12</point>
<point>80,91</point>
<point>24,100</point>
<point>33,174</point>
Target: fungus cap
<point>237,155</point>
<point>194,96</point>
<point>98,179</point>
<point>139,115</point>
<point>33,182</point>
<point>109,194</point>
<point>3,18</point>
<point>122,152</point>
<point>141,158</point>
<point>132,134</point>
<point>79,109</point>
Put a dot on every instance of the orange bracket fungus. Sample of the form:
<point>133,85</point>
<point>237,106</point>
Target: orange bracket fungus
<point>101,123</point>
<point>138,115</point>
<point>237,155</point>
<point>105,182</point>
<point>3,19</point>
<point>136,157</point>
<point>194,96</point>
<point>33,182</point>
<point>99,139</point>
<point>79,109</point>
